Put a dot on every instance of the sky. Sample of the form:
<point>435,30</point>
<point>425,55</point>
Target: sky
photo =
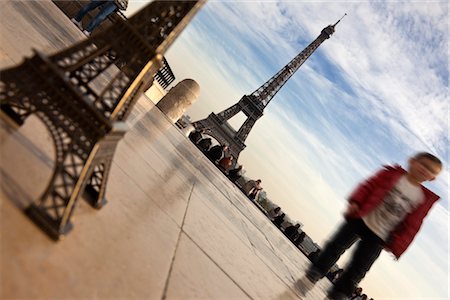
<point>375,93</point>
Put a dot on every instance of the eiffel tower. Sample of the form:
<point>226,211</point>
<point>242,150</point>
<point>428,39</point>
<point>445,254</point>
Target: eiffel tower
<point>253,105</point>
<point>83,94</point>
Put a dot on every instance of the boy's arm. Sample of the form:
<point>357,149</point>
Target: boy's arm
<point>359,195</point>
<point>352,209</point>
<point>401,238</point>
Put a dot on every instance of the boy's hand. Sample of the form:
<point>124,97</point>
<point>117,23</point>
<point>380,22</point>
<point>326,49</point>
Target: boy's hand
<point>394,257</point>
<point>352,209</point>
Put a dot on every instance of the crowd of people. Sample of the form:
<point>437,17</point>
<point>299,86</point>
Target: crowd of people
<point>290,229</point>
<point>218,154</point>
<point>370,218</point>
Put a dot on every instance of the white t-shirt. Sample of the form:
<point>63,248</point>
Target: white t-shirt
<point>400,201</point>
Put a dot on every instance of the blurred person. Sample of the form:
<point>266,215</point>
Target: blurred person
<point>300,238</point>
<point>251,185</point>
<point>274,212</point>
<point>216,152</point>
<point>225,163</point>
<point>235,174</point>
<point>204,144</point>
<point>333,276</point>
<point>356,293</point>
<point>107,7</point>
<point>384,212</point>
<point>314,255</point>
<point>196,135</point>
<point>254,192</point>
<point>278,220</point>
<point>292,232</point>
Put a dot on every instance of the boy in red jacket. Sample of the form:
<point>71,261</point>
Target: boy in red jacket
<point>386,211</point>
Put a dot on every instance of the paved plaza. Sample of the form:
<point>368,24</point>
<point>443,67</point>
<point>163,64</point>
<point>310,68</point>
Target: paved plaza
<point>174,227</point>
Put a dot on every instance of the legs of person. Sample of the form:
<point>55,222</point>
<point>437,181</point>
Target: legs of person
<point>108,8</point>
<point>87,8</point>
<point>346,235</point>
<point>366,253</point>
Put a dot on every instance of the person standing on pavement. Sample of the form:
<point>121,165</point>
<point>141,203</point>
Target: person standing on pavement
<point>384,212</point>
<point>107,7</point>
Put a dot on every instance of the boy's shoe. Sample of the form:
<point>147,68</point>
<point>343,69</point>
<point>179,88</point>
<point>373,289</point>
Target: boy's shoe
<point>78,24</point>
<point>335,295</point>
<point>86,33</point>
<point>304,285</point>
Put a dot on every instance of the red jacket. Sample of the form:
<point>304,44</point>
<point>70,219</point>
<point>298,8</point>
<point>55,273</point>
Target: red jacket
<point>371,193</point>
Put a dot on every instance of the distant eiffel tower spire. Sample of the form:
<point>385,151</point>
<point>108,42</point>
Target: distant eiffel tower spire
<point>253,105</point>
<point>267,91</point>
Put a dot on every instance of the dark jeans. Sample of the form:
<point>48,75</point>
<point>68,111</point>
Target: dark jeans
<point>367,251</point>
<point>107,8</point>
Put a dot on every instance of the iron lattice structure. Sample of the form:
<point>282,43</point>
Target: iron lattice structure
<point>164,76</point>
<point>253,105</point>
<point>82,97</point>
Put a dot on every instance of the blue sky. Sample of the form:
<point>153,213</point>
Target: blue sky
<point>375,93</point>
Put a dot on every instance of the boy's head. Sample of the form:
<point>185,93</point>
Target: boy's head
<point>424,167</point>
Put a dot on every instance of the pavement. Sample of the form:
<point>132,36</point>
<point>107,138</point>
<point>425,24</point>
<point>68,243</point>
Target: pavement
<point>173,228</point>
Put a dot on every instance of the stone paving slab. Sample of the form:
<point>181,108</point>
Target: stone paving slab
<point>174,226</point>
<point>202,284</point>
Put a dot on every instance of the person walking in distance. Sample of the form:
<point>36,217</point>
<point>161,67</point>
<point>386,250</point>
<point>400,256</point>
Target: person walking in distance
<point>107,7</point>
<point>384,212</point>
